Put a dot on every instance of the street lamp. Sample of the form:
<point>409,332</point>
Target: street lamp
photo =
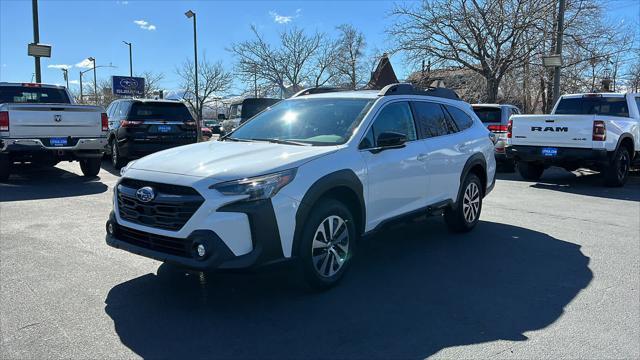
<point>130,59</point>
<point>190,14</point>
<point>94,75</point>
<point>95,79</point>
<point>65,74</point>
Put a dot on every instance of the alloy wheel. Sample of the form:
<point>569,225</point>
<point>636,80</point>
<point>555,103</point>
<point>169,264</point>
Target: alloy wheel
<point>330,247</point>
<point>623,165</point>
<point>114,153</point>
<point>471,202</point>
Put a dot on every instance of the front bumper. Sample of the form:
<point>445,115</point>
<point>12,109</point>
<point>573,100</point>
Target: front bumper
<point>564,155</point>
<point>265,239</point>
<point>82,147</point>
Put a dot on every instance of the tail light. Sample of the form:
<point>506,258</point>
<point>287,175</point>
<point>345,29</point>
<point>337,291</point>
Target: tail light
<point>498,128</point>
<point>190,123</point>
<point>509,129</point>
<point>599,131</point>
<point>129,124</point>
<point>4,121</point>
<point>34,85</point>
<point>104,119</point>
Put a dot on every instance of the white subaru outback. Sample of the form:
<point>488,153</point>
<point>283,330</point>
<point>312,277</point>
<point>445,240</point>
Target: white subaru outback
<point>305,179</point>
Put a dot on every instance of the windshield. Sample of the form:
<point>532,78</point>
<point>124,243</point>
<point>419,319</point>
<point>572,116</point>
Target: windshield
<point>610,106</point>
<point>328,121</point>
<point>159,111</point>
<point>33,95</point>
<point>488,114</point>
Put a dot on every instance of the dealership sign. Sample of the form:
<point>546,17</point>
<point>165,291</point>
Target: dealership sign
<point>127,85</point>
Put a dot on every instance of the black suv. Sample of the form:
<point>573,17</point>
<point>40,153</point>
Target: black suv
<point>138,127</point>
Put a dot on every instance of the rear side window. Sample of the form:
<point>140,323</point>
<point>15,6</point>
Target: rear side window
<point>431,119</point>
<point>460,117</point>
<point>33,95</point>
<point>395,117</point>
<point>488,114</point>
<point>609,106</point>
<point>159,111</point>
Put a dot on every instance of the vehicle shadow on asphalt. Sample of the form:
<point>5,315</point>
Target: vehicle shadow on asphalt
<point>412,291</point>
<point>28,182</point>
<point>582,182</point>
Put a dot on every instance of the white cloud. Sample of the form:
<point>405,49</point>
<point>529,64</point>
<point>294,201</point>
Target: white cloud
<point>284,19</point>
<point>60,66</point>
<point>145,25</point>
<point>74,82</point>
<point>85,64</point>
<point>122,2</point>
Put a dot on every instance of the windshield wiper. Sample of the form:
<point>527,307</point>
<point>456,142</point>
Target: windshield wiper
<point>285,142</point>
<point>235,139</point>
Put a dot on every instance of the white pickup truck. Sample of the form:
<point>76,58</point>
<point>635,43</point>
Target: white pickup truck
<point>41,124</point>
<point>595,131</point>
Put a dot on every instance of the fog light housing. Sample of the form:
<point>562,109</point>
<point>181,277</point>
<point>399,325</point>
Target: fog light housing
<point>110,228</point>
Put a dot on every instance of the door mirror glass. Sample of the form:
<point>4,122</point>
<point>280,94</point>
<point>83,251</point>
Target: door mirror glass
<point>391,140</point>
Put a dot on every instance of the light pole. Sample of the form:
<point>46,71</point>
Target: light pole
<point>36,37</point>
<point>190,14</point>
<point>94,75</point>
<point>95,81</point>
<point>130,59</point>
<point>81,98</point>
<point>65,74</point>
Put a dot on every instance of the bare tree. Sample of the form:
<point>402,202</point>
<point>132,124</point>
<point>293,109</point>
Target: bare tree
<point>151,83</point>
<point>286,65</point>
<point>213,80</point>
<point>486,37</point>
<point>351,64</point>
<point>324,69</point>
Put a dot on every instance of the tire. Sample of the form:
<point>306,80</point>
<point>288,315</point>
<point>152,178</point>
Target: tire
<point>90,167</point>
<point>530,171</point>
<point>617,172</point>
<point>117,160</point>
<point>5,168</point>
<point>325,261</point>
<point>464,215</point>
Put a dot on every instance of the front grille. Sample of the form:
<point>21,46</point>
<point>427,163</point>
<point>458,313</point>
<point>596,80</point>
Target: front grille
<point>171,208</point>
<point>165,244</point>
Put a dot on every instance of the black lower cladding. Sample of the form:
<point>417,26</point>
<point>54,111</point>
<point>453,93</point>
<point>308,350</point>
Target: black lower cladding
<point>174,250</point>
<point>265,236</point>
<point>171,208</point>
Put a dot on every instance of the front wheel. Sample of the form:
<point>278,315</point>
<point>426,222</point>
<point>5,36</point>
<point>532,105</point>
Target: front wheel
<point>464,215</point>
<point>90,167</point>
<point>117,160</point>
<point>327,244</point>
<point>616,173</point>
<point>530,171</point>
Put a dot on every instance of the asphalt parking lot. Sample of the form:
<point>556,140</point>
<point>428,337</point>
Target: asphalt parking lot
<point>552,270</point>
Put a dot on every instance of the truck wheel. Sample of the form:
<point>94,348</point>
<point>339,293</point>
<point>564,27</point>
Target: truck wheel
<point>90,167</point>
<point>327,244</point>
<point>464,215</point>
<point>116,159</point>
<point>5,167</point>
<point>616,173</point>
<point>530,171</point>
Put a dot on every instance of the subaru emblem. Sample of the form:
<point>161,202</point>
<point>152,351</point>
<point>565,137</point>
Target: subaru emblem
<point>145,194</point>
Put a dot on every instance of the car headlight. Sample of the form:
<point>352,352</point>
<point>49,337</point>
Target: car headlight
<point>259,187</point>
<point>124,169</point>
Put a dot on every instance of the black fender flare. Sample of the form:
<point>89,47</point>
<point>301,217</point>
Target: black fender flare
<point>626,136</point>
<point>473,160</point>
<point>341,178</point>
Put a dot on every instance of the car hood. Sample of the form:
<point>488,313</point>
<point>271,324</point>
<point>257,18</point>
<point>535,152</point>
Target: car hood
<point>225,160</point>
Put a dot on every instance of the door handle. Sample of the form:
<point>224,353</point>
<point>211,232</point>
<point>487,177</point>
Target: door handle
<point>422,157</point>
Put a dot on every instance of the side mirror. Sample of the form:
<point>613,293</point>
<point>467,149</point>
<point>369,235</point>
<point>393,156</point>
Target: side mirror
<point>222,117</point>
<point>390,140</point>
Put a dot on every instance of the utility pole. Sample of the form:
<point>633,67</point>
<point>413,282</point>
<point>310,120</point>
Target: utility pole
<point>65,73</point>
<point>95,79</point>
<point>81,99</point>
<point>130,59</point>
<point>36,37</point>
<point>559,35</point>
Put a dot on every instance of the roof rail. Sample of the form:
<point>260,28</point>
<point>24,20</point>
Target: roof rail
<point>408,89</point>
<point>316,90</point>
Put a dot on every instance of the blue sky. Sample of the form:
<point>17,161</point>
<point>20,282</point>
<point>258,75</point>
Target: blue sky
<point>162,35</point>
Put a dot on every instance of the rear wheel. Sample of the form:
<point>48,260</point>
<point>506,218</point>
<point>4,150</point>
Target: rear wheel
<point>5,167</point>
<point>530,171</point>
<point>327,244</point>
<point>91,166</point>
<point>616,173</point>
<point>116,159</point>
<point>465,214</point>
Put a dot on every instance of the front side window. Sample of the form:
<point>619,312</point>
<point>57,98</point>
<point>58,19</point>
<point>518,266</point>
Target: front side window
<point>396,118</point>
<point>431,119</point>
<point>319,121</point>
<point>462,120</point>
